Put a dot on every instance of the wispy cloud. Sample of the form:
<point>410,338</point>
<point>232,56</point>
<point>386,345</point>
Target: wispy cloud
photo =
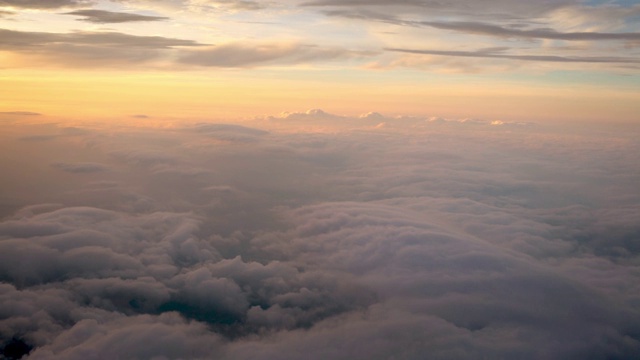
<point>482,28</point>
<point>257,54</point>
<point>45,4</point>
<point>232,4</point>
<point>491,54</point>
<point>80,168</point>
<point>103,16</point>
<point>12,39</point>
<point>111,49</point>
<point>499,31</point>
<point>20,113</point>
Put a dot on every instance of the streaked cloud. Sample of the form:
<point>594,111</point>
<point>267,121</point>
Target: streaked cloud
<point>12,39</point>
<point>110,17</point>
<point>45,4</point>
<point>256,54</point>
<point>499,31</point>
<point>20,113</point>
<point>232,4</point>
<point>80,168</point>
<point>109,49</point>
<point>492,54</point>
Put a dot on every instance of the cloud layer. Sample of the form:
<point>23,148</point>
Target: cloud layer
<point>370,237</point>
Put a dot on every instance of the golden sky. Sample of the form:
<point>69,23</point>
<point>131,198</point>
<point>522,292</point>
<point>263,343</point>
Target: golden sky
<point>495,59</point>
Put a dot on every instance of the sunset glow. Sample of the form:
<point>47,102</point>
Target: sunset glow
<point>560,61</point>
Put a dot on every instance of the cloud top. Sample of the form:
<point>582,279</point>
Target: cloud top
<point>460,239</point>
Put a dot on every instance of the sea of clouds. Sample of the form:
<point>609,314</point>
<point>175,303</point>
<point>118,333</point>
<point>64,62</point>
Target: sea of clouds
<point>316,236</point>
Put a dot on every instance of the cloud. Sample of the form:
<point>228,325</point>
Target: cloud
<point>260,54</point>
<point>20,113</point>
<point>559,31</point>
<point>541,58</point>
<point>109,17</point>
<point>111,49</point>
<point>498,31</point>
<point>232,4</point>
<point>80,168</point>
<point>12,39</point>
<point>508,9</point>
<point>229,132</point>
<point>267,239</point>
<point>116,49</point>
<point>45,4</point>
<point>483,28</point>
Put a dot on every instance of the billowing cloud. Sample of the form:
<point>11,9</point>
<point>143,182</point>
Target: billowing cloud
<point>267,239</point>
<point>104,17</point>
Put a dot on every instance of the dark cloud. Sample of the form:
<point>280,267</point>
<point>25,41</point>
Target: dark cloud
<point>242,4</point>
<point>501,55</point>
<point>458,239</point>
<point>13,39</point>
<point>80,168</point>
<point>507,9</point>
<point>110,49</point>
<point>38,137</point>
<point>109,17</point>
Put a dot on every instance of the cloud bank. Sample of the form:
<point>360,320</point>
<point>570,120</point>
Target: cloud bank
<point>362,237</point>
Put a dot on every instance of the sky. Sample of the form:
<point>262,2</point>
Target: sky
<point>319,180</point>
<point>556,61</point>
